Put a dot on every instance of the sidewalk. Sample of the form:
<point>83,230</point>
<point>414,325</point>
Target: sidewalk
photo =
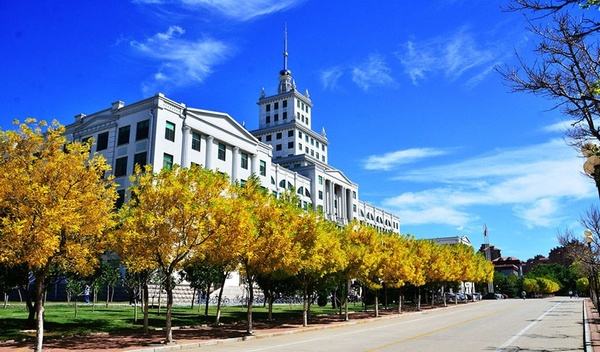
<point>593,324</point>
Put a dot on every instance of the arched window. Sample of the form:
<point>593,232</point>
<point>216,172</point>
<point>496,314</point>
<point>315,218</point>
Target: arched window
<point>282,183</point>
<point>300,190</point>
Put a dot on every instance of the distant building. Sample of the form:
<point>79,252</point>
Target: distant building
<point>533,262</point>
<point>508,266</point>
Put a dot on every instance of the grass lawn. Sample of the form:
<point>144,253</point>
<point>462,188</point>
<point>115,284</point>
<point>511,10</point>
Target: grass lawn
<point>60,318</point>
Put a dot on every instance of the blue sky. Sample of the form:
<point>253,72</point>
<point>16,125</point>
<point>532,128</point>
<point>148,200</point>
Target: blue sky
<point>408,95</point>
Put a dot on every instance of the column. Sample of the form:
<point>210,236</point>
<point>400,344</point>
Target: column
<point>209,152</point>
<point>254,164</point>
<point>350,204</point>
<point>344,201</point>
<point>236,164</point>
<point>186,145</point>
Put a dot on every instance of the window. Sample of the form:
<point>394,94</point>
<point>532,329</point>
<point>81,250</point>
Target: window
<point>323,147</point>
<point>196,141</point>
<point>268,107</point>
<point>317,142</point>
<point>260,139</point>
<point>302,118</point>
<point>244,161</point>
<point>284,104</point>
<point>268,119</point>
<point>298,103</point>
<point>170,131</point>
<point>306,150</point>
<point>278,147</point>
<point>272,180</point>
<point>320,194</point>
<point>323,158</point>
<point>312,152</point>
<point>290,145</point>
<point>318,157</point>
<point>268,138</point>
<point>242,182</point>
<point>320,180</point>
<point>167,161</point>
<point>354,208</point>
<point>291,133</point>
<point>123,135</point>
<point>276,105</point>
<point>300,146</point>
<point>120,198</point>
<point>121,167</point>
<point>102,142</point>
<point>284,115</point>
<point>320,208</point>
<point>278,136</point>
<point>306,137</point>
<point>276,117</point>
<point>282,183</point>
<point>141,130</point>
<point>85,140</point>
<point>354,194</point>
<point>263,168</point>
<point>140,159</point>
<point>307,121</point>
<point>221,154</point>
<point>299,134</point>
<point>297,116</point>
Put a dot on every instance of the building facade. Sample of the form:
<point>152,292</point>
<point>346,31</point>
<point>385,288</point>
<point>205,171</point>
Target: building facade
<point>284,152</point>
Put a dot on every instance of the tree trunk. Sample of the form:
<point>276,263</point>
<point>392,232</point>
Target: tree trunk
<point>159,294</point>
<point>168,321</point>
<point>270,317</point>
<point>346,318</point>
<point>39,307</point>
<point>146,293</point>
<point>305,308</point>
<point>419,298</point>
<point>5,300</point>
<point>376,303</point>
<point>249,330</point>
<point>206,303</point>
<point>218,318</point>
<point>193,298</point>
<point>444,296</point>
<point>400,302</point>
<point>94,299</point>
<point>107,294</point>
<point>385,297</point>
<point>31,308</point>
<point>75,301</point>
<point>112,294</point>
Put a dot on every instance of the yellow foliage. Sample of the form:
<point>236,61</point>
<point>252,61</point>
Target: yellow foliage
<point>56,205</point>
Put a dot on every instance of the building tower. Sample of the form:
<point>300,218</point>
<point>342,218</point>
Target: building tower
<point>285,119</point>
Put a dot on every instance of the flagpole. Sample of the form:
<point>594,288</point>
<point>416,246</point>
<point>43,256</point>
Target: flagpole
<point>488,254</point>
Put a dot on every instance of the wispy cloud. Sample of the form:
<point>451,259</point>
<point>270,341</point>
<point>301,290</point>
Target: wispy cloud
<point>180,61</point>
<point>390,160</point>
<point>561,126</point>
<point>234,9</point>
<point>331,76</point>
<point>374,72</point>
<point>455,57</point>
<point>533,181</point>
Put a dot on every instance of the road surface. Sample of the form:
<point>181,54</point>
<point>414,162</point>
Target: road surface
<point>502,326</point>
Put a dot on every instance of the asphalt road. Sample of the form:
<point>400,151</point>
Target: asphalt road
<point>501,326</point>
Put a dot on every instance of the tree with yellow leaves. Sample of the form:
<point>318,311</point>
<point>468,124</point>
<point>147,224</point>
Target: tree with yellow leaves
<point>317,252</point>
<point>397,265</point>
<point>363,252</point>
<point>266,247</point>
<point>166,223</point>
<point>420,252</point>
<point>55,205</point>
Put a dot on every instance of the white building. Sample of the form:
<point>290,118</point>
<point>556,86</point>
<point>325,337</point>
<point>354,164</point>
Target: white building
<point>464,286</point>
<point>284,152</point>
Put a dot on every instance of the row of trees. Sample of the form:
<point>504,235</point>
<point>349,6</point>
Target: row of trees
<point>57,213</point>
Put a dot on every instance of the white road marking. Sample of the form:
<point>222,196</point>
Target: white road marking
<point>524,330</point>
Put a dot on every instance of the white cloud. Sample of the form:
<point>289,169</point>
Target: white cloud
<point>534,181</point>
<point>456,56</point>
<point>373,72</point>
<point>399,157</point>
<point>181,62</point>
<point>331,76</point>
<point>235,9</point>
<point>561,126</point>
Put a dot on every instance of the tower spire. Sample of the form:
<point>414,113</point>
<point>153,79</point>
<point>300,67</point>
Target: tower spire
<point>285,48</point>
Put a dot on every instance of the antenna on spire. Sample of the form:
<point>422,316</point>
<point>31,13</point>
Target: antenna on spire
<point>285,48</point>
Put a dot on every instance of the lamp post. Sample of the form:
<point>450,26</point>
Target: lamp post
<point>588,237</point>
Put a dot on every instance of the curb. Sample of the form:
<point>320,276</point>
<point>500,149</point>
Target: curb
<point>587,336</point>
<point>194,345</point>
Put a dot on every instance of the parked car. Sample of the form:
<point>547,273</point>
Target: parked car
<point>491,295</point>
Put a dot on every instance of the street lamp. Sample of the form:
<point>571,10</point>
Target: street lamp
<point>588,237</point>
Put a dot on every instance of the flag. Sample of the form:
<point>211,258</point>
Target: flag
<point>485,234</point>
